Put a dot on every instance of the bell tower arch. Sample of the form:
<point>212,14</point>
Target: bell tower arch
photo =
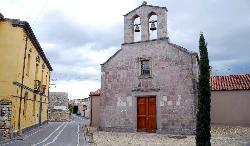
<point>145,12</point>
<point>152,25</point>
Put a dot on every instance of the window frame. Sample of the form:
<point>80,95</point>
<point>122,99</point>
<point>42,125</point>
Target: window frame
<point>141,75</point>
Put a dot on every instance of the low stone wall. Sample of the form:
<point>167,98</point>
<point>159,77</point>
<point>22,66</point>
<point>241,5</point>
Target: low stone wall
<point>59,115</point>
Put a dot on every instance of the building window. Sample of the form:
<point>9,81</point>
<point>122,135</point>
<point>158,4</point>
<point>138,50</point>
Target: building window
<point>42,77</point>
<point>47,79</point>
<point>145,67</point>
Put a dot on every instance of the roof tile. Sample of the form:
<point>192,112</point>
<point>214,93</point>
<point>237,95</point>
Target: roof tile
<point>230,82</point>
<point>96,93</point>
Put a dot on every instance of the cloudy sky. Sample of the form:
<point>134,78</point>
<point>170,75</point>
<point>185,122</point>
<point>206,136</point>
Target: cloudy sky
<point>78,35</point>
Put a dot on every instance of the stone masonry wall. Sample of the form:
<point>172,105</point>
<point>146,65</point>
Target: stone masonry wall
<point>59,115</point>
<point>173,82</point>
<point>5,120</point>
<point>58,99</point>
<point>58,106</point>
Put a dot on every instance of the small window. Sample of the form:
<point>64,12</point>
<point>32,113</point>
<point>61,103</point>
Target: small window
<point>42,77</point>
<point>145,67</point>
<point>46,78</point>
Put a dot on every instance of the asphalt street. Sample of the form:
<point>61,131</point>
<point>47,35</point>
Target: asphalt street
<point>54,134</point>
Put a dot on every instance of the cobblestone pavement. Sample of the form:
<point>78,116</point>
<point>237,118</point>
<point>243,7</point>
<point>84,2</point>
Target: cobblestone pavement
<point>221,136</point>
<point>54,134</point>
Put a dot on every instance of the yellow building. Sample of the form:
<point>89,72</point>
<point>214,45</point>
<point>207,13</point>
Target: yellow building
<point>24,78</point>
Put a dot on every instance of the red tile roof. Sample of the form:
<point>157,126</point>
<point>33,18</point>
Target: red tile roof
<point>96,93</point>
<point>230,82</point>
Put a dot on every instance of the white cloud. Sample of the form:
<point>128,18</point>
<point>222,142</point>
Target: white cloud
<point>99,56</point>
<point>75,88</point>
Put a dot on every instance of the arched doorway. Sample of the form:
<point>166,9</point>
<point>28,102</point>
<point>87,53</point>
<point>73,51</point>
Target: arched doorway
<point>5,119</point>
<point>75,109</point>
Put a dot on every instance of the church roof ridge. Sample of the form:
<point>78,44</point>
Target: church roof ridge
<point>112,56</point>
<point>182,48</point>
<point>145,5</point>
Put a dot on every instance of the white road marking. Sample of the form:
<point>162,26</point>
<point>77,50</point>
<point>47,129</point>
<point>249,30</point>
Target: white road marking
<point>44,140</point>
<point>38,130</point>
<point>55,138</point>
<point>28,135</point>
<point>78,134</point>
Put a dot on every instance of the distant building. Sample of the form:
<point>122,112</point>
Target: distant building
<point>86,107</point>
<point>77,103</point>
<point>149,84</point>
<point>230,100</point>
<point>24,78</point>
<point>58,106</point>
<point>95,108</point>
<point>58,99</point>
<point>81,107</point>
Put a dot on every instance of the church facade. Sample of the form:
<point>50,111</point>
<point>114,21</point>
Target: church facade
<point>149,85</point>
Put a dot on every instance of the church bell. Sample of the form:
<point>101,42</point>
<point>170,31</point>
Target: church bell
<point>152,27</point>
<point>137,29</point>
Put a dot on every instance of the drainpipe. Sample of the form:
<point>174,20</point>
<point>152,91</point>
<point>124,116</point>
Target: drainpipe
<point>21,94</point>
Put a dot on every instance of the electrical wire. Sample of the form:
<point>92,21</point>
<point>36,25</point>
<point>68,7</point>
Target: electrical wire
<point>42,10</point>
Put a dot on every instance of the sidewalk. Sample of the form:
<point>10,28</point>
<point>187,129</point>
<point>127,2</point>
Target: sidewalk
<point>221,135</point>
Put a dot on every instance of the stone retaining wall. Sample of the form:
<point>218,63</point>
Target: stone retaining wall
<point>59,115</point>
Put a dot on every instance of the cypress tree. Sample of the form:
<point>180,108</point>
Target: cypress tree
<point>203,115</point>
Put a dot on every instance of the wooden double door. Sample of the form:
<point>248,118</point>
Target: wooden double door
<point>146,114</point>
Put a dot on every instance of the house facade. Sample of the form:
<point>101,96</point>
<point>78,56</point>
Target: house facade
<point>58,106</point>
<point>230,100</point>
<point>24,78</point>
<point>151,84</point>
<point>95,108</point>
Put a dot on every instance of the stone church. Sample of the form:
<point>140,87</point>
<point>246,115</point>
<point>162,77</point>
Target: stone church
<point>149,85</point>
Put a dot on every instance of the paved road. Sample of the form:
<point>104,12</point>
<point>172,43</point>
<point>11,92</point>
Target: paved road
<point>54,134</point>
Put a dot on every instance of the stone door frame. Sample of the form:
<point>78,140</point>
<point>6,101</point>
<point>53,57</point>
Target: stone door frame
<point>136,94</point>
